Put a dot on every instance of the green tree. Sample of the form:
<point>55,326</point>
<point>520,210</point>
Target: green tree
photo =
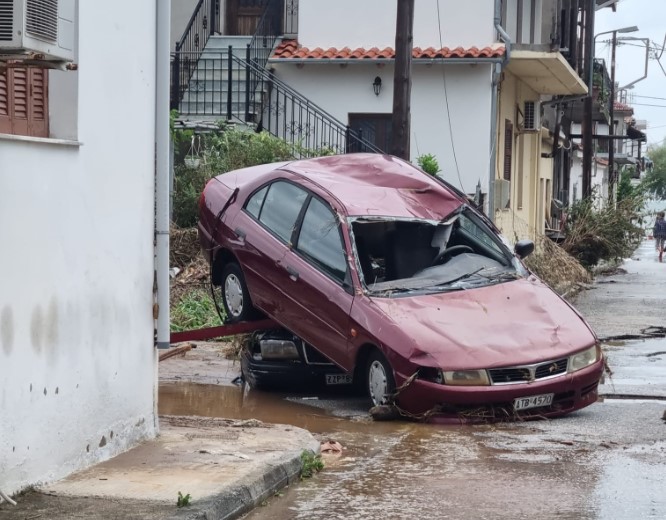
<point>655,180</point>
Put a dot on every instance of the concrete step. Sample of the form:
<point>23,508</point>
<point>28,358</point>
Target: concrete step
<point>217,43</point>
<point>211,107</point>
<point>209,96</point>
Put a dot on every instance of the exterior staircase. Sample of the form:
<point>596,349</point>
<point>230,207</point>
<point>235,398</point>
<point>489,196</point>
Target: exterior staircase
<point>225,78</point>
<point>214,78</point>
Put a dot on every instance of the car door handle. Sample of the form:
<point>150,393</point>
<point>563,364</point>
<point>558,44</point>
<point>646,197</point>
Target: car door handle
<point>293,273</point>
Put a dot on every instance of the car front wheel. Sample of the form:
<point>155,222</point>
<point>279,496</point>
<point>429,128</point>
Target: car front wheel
<point>380,380</point>
<point>235,296</point>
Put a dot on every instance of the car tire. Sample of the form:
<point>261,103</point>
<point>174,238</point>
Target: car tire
<point>379,379</point>
<point>235,296</point>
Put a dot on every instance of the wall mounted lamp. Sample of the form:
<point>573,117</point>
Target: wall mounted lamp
<point>377,85</point>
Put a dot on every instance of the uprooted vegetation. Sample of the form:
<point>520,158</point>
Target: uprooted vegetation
<point>609,233</point>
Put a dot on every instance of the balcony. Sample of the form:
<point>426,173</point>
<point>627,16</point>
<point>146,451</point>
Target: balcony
<point>546,44</point>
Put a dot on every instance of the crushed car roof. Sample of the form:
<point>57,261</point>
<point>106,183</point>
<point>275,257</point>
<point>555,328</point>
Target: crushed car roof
<point>379,185</point>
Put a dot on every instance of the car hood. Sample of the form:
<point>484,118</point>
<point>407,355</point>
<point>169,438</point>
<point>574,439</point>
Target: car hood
<point>511,323</point>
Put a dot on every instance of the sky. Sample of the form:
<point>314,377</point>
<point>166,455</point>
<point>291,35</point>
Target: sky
<point>650,18</point>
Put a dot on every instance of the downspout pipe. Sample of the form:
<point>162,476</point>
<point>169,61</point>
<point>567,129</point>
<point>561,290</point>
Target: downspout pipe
<point>162,139</point>
<point>496,75</point>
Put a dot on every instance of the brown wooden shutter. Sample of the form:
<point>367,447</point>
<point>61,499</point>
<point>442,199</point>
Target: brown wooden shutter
<point>38,108</point>
<point>508,148</point>
<point>24,102</point>
<point>5,122</point>
<point>18,81</point>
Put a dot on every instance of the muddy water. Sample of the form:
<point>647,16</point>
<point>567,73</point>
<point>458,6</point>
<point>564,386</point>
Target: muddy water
<point>405,470</point>
<point>606,462</point>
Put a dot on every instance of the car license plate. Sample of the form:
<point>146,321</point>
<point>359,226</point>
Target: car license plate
<point>533,401</point>
<point>338,379</point>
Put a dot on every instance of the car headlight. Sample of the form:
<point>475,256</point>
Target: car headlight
<point>584,359</point>
<point>466,378</point>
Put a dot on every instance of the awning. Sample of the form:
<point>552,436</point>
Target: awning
<point>619,158</point>
<point>546,72</point>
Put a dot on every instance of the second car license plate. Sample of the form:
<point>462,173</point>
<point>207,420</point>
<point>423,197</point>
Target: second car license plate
<point>338,379</point>
<point>533,401</point>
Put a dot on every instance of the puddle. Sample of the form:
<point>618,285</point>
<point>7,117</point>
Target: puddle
<point>241,402</point>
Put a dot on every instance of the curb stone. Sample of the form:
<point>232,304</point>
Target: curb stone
<point>248,494</point>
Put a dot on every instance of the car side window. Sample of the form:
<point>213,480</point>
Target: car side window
<point>255,202</point>
<point>320,240</point>
<point>281,208</point>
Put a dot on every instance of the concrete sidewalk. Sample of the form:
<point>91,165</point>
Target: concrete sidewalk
<point>228,467</point>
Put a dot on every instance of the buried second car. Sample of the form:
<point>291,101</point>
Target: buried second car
<point>392,276</point>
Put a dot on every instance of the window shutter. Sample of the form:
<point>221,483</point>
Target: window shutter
<point>5,101</point>
<point>508,148</point>
<point>18,110</point>
<point>38,109</point>
<point>24,102</point>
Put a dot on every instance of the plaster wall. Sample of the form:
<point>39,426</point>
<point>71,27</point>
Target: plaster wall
<point>450,109</point>
<point>531,177</point>
<point>370,23</point>
<point>77,363</point>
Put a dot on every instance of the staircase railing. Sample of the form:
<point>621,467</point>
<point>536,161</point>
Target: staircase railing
<point>189,48</point>
<point>269,29</point>
<point>272,105</point>
<point>287,114</point>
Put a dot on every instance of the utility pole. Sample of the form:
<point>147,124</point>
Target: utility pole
<point>611,126</point>
<point>587,106</point>
<point>402,79</point>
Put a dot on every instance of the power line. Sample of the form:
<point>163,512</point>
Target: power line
<point>648,97</point>
<point>446,99</point>
<point>648,105</point>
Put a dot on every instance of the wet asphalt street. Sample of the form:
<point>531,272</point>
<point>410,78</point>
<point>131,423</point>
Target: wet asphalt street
<point>605,462</point>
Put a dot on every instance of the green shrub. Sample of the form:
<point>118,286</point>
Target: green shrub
<point>428,163</point>
<point>220,152</point>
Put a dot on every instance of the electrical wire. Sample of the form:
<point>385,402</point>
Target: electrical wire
<point>446,100</point>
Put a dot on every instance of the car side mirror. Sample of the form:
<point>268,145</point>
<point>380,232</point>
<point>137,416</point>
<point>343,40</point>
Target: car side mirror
<point>524,248</point>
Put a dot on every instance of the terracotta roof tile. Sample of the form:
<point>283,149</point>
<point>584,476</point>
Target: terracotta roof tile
<point>623,107</point>
<point>290,49</point>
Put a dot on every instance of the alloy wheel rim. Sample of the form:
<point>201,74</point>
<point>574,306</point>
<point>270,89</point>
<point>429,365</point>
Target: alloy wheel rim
<point>233,295</point>
<point>377,383</point>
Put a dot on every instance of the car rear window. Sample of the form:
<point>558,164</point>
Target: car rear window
<point>281,208</point>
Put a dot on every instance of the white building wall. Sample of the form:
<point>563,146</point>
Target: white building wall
<point>467,88</point>
<point>77,363</point>
<point>372,23</point>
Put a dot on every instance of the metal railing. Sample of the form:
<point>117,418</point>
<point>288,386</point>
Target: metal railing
<point>269,28</point>
<point>237,90</point>
<point>201,26</point>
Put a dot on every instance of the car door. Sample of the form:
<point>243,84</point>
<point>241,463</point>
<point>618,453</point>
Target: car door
<point>318,283</point>
<point>264,228</point>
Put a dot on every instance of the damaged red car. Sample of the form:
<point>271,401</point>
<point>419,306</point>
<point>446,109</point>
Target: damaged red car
<point>393,278</point>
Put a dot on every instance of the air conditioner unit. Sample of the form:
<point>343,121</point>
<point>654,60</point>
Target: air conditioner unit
<point>532,116</point>
<point>42,30</point>
<point>502,193</point>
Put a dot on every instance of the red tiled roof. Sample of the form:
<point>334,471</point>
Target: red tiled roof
<point>290,49</point>
<point>622,107</point>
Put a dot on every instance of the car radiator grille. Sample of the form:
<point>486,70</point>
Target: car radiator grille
<point>525,373</point>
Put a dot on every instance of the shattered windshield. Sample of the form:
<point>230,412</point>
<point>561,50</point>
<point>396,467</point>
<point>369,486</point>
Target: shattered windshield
<point>397,255</point>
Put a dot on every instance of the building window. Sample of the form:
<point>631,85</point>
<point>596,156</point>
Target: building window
<point>24,102</point>
<point>508,148</point>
